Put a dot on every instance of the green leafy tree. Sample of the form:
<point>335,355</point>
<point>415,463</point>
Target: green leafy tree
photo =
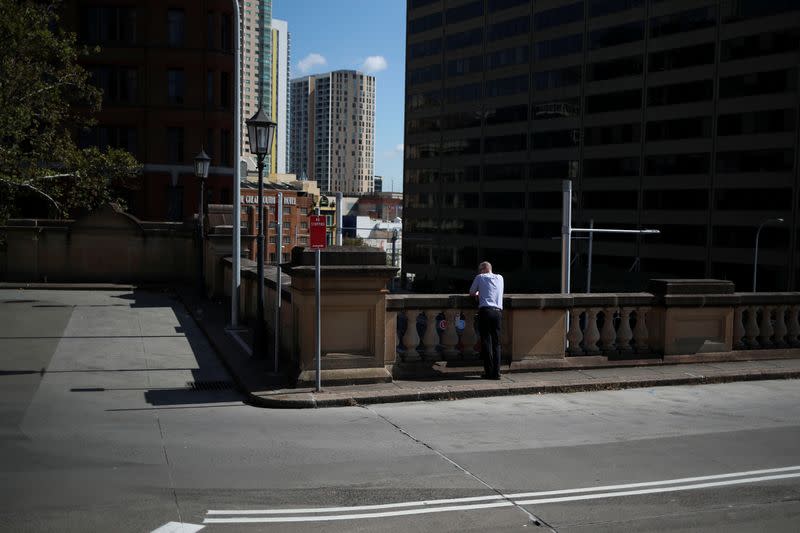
<point>45,98</point>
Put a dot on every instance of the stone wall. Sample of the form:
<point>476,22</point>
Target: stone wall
<point>108,246</point>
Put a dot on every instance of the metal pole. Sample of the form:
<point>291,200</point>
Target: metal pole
<point>566,234</point>
<point>755,256</point>
<point>339,218</point>
<point>318,321</point>
<point>278,258</point>
<point>200,239</point>
<point>236,279</point>
<point>394,256</point>
<point>589,266</point>
<point>258,334</point>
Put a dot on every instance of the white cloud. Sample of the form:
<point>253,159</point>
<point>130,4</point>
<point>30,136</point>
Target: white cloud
<point>374,64</point>
<point>397,151</point>
<point>310,62</point>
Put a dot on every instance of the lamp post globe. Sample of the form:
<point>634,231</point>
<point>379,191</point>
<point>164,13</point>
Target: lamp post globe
<point>201,165</point>
<point>260,133</point>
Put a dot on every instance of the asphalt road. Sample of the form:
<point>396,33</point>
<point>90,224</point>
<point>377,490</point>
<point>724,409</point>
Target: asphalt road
<point>101,430</point>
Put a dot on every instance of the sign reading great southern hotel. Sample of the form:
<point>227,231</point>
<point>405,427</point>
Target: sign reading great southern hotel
<point>269,200</point>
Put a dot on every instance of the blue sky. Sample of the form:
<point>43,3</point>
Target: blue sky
<point>367,35</point>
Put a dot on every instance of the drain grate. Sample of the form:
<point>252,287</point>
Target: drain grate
<point>210,385</point>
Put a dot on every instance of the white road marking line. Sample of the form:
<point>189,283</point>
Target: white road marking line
<point>358,507</point>
<point>496,496</point>
<point>328,518</point>
<point>657,490</point>
<point>655,483</point>
<point>178,527</point>
<point>438,506</point>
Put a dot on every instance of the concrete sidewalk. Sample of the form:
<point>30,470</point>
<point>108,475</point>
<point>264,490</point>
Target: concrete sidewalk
<point>263,388</point>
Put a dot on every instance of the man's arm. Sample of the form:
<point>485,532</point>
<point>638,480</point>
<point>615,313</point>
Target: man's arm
<point>473,289</point>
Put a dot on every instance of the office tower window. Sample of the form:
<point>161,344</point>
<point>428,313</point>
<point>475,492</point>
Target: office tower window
<point>500,5</point>
<point>611,200</point>
<point>109,25</point>
<point>507,114</point>
<point>685,21</point>
<point>618,134</point>
<point>762,44</point>
<point>465,39</point>
<point>118,84</point>
<point>424,100</point>
<point>425,48</point>
<point>422,125</point>
<point>461,147</point>
<point>680,234</point>
<point>558,16</point>
<point>455,67</point>
<point>509,28</point>
<point>616,35</point>
<point>516,55</point>
<point>739,10</point>
<point>619,101</point>
<point>770,160</point>
<point>504,172</point>
<point>770,82</point>
<point>677,58</point>
<point>415,4</point>
<point>685,128</point>
<point>552,109</point>
<point>463,93</point>
<point>507,86</point>
<point>564,169</point>
<point>464,12</point>
<point>175,145</point>
<point>611,167</point>
<point>769,200</point>
<point>679,200</point>
<point>426,23</point>
<point>225,38</point>
<point>505,143</point>
<point>554,79</point>
<point>681,93</point>
<point>425,75</point>
<point>614,68</point>
<point>561,46</point>
<point>569,138</point>
<point>771,121</point>
<point>209,146</point>
<point>598,8</point>
<point>176,27</point>
<point>675,164</point>
<point>176,86</point>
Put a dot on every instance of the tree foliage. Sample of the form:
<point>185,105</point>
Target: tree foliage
<point>45,99</point>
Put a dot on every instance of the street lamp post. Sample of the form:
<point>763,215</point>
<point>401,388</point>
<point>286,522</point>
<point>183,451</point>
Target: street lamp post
<point>201,165</point>
<point>260,132</point>
<point>755,251</point>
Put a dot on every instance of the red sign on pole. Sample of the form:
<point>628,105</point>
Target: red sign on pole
<point>317,225</point>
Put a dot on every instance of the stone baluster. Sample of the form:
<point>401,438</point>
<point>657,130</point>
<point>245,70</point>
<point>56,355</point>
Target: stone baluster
<point>641,335</point>
<point>738,328</point>
<point>780,327</point>
<point>793,330</point>
<point>624,332</point>
<point>430,339</point>
<point>766,331</point>
<point>608,335</point>
<point>575,335</point>
<point>450,335</point>
<point>411,337</point>
<point>751,327</point>
<point>470,336</point>
<point>591,334</point>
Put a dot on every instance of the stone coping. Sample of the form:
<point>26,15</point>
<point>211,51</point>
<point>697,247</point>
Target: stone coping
<point>396,302</point>
<point>340,271</point>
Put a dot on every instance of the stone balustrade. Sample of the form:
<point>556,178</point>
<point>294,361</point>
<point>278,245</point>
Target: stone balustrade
<point>766,321</point>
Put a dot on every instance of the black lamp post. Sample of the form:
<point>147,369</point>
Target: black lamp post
<point>260,132</point>
<point>201,164</point>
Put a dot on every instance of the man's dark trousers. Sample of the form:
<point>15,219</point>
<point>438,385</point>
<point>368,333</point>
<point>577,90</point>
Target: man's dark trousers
<point>490,322</point>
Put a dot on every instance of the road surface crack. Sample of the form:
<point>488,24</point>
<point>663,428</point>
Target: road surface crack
<point>532,517</point>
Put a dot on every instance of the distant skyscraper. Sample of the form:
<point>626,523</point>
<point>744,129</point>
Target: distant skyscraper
<point>378,186</point>
<point>333,130</point>
<point>281,59</point>
<point>256,64</point>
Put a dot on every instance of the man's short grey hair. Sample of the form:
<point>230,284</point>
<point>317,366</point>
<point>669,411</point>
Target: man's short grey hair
<point>486,264</point>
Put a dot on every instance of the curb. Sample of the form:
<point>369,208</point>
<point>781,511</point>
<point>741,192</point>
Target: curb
<point>317,401</point>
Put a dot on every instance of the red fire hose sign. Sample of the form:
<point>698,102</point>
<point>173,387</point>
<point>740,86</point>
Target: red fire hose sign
<point>317,225</point>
